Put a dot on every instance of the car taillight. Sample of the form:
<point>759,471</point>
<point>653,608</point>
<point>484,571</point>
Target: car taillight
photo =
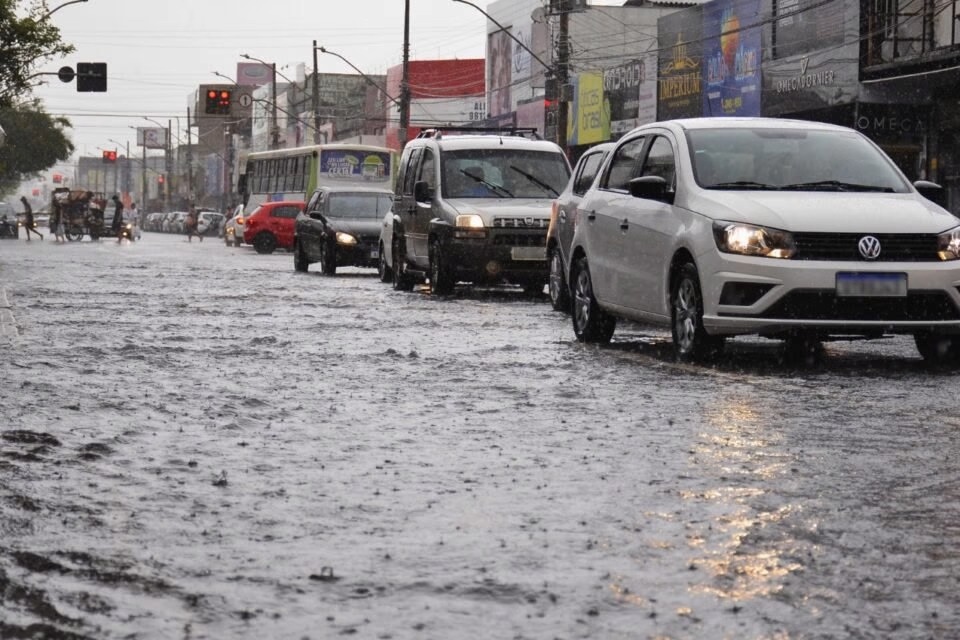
<point>239,220</point>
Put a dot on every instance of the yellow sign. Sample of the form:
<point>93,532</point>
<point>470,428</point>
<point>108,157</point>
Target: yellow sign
<point>589,121</point>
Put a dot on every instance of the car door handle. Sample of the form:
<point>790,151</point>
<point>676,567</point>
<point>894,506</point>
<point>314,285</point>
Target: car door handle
<point>624,225</point>
<point>591,216</point>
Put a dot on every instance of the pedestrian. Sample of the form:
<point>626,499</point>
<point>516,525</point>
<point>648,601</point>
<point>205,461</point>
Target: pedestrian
<point>116,226</point>
<point>190,224</point>
<point>28,218</point>
<point>56,222</point>
<point>132,215</point>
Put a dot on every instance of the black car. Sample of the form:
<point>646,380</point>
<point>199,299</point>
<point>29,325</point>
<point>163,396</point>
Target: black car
<point>340,228</point>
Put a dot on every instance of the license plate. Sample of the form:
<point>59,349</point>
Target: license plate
<point>528,253</point>
<point>872,285</point>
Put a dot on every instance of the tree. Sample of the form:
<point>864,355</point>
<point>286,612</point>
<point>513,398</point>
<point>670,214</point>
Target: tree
<point>27,39</point>
<point>35,140</point>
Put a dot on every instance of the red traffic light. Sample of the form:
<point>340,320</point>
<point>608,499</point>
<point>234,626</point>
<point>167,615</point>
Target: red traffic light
<point>218,102</point>
<point>109,156</point>
<point>160,179</point>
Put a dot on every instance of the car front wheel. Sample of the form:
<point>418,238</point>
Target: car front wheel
<point>383,269</point>
<point>328,259</point>
<point>690,340</point>
<point>938,349</point>
<point>300,262</point>
<point>441,276</point>
<point>559,295</point>
<point>590,322</point>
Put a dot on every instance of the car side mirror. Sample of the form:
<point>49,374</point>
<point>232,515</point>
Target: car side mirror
<point>932,192</point>
<point>422,191</point>
<point>316,215</point>
<point>651,188</point>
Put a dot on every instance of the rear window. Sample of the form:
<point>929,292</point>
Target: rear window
<point>359,205</point>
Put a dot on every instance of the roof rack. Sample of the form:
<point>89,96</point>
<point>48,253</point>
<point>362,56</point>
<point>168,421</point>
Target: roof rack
<point>437,132</point>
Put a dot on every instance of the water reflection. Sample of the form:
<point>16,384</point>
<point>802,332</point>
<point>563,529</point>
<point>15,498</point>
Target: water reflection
<point>741,551</point>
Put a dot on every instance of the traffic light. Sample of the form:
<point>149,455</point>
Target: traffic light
<point>218,102</point>
<point>91,76</point>
<point>160,179</point>
<point>109,157</point>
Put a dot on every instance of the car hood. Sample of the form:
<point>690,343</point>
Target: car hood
<point>842,212</point>
<point>489,208</point>
<point>356,226</point>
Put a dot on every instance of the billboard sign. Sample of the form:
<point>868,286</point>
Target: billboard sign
<point>731,58</point>
<point>500,73</point>
<point>589,122</point>
<point>340,165</point>
<point>152,137</point>
<point>679,81</point>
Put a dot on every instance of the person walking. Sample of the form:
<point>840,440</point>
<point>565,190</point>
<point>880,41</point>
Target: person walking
<point>28,218</point>
<point>56,223</point>
<point>116,225</point>
<point>133,217</point>
<point>190,224</point>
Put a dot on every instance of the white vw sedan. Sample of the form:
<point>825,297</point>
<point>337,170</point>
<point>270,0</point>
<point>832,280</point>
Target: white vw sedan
<point>786,229</point>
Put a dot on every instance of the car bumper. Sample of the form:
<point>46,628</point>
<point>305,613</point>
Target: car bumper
<point>517,255</point>
<point>363,254</point>
<point>770,296</point>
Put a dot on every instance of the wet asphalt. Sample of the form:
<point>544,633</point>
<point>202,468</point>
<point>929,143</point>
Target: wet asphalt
<point>197,442</point>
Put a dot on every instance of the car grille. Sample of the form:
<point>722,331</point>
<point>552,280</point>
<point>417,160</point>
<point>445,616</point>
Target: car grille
<point>902,247</point>
<point>520,240</point>
<point>919,306</point>
<point>521,223</point>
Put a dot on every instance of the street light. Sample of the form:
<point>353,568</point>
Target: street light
<point>57,8</point>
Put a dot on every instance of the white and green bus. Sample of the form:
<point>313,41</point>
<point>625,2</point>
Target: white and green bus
<point>293,174</point>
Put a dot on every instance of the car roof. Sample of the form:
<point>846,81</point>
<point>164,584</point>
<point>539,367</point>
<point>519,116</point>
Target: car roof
<point>748,123</point>
<point>468,141</point>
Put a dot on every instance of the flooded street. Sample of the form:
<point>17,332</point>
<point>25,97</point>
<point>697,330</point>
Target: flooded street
<point>197,442</point>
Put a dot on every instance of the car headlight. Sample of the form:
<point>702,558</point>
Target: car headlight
<point>751,240</point>
<point>948,244</point>
<point>345,238</point>
<point>470,221</point>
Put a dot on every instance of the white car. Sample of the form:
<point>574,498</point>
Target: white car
<point>786,229</point>
<point>233,229</point>
<point>384,266</point>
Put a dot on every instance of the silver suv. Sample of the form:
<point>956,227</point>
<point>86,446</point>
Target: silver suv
<point>474,208</point>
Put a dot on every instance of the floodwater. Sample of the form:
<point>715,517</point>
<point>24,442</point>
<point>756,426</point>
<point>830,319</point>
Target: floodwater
<point>197,442</point>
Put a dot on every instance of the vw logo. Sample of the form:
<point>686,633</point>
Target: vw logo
<point>529,221</point>
<point>869,247</point>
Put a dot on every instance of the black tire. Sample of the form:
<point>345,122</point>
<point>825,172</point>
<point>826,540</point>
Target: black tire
<point>557,286</point>
<point>74,233</point>
<point>441,275</point>
<point>402,281</point>
<point>265,242</point>
<point>590,322</point>
<point>383,269</point>
<point>690,340</point>
<point>300,262</point>
<point>937,349</point>
<point>328,258</point>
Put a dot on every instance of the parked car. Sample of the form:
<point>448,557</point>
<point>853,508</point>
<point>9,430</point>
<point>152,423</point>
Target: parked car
<point>270,226</point>
<point>787,229</point>
<point>209,222</point>
<point>563,216</point>
<point>233,228</point>
<point>475,208</point>
<point>340,228</point>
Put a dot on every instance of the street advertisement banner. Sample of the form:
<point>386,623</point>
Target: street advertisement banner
<point>631,90</point>
<point>152,137</point>
<point>589,121</point>
<point>342,165</point>
<point>679,83</point>
<point>803,26</point>
<point>500,73</point>
<point>731,58</point>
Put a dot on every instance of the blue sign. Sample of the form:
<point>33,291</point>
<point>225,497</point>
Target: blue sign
<point>731,58</point>
<point>355,165</point>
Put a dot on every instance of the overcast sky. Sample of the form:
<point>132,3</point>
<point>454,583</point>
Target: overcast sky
<point>159,52</point>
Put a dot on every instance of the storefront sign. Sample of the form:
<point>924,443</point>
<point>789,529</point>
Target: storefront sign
<point>679,81</point>
<point>816,81</point>
<point>590,117</point>
<point>806,78</point>
<point>890,121</point>
<point>631,91</point>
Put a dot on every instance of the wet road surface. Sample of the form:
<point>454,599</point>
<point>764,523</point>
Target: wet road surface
<point>196,442</point>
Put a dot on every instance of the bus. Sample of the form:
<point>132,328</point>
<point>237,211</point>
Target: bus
<point>293,174</point>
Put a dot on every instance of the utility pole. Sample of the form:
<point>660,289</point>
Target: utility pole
<point>167,167</point>
<point>143,172</point>
<point>275,129</point>
<point>316,97</point>
<point>563,73</point>
<point>405,79</point>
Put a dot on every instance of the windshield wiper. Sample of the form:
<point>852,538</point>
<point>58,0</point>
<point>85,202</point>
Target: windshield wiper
<point>742,184</point>
<point>830,185</point>
<point>489,185</point>
<point>535,180</point>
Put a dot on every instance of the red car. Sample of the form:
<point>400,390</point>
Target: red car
<point>271,226</point>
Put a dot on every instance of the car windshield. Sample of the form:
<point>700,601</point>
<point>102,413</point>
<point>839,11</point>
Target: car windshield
<point>790,159</point>
<point>359,205</point>
<point>503,173</point>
